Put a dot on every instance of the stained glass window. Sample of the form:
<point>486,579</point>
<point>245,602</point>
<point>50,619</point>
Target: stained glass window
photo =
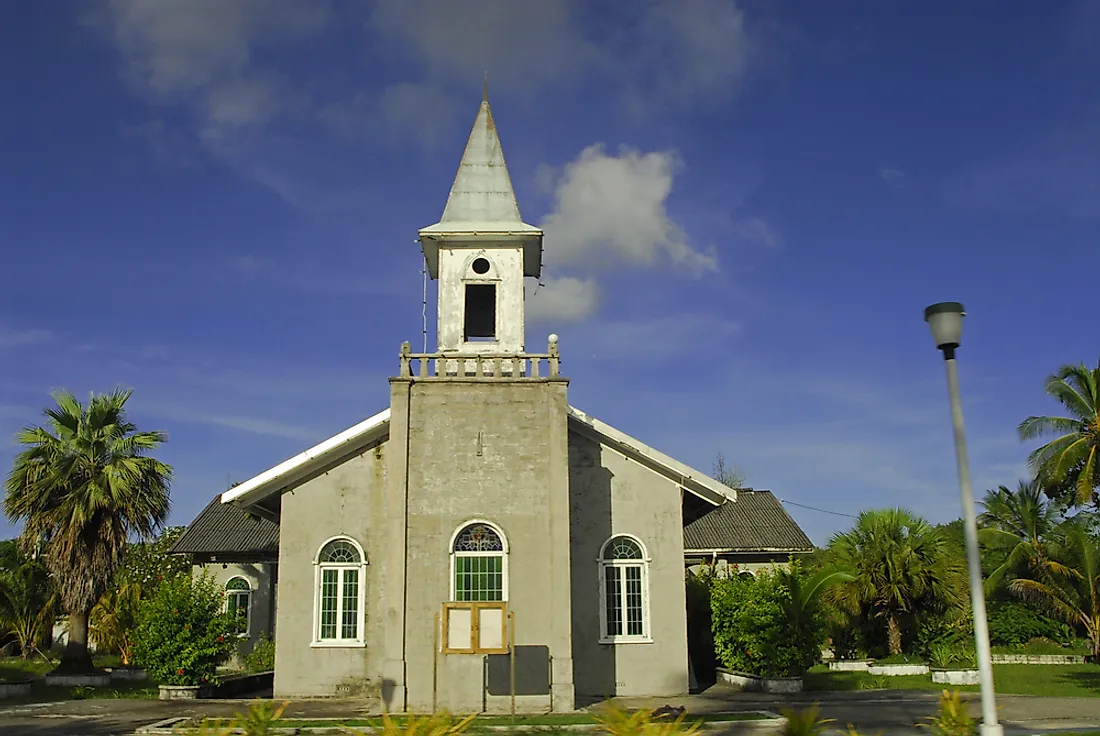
<point>478,564</point>
<point>623,582</point>
<point>339,615</point>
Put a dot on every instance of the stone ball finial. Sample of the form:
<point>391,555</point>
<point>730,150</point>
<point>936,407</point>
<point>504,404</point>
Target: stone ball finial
<point>553,339</point>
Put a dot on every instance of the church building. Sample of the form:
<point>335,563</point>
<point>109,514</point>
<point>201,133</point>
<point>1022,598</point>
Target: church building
<point>480,538</point>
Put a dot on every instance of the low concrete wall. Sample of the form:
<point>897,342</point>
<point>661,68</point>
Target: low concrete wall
<point>956,677</point>
<point>893,670</point>
<point>127,673</point>
<point>102,680</point>
<point>752,683</point>
<point>842,665</point>
<point>15,689</point>
<point>1038,659</point>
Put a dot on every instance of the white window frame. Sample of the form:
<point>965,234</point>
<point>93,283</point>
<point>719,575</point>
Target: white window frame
<point>503,554</point>
<point>646,636</point>
<point>361,567</point>
<point>247,593</point>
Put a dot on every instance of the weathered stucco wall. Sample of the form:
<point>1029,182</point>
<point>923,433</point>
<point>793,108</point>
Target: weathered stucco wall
<point>497,452</point>
<point>261,612</point>
<point>611,494</point>
<point>345,501</point>
<point>506,272</point>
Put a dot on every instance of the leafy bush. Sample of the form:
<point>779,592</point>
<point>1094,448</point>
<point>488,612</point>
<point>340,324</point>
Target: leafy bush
<point>945,654</point>
<point>900,659</point>
<point>182,632</point>
<point>437,724</point>
<point>262,656</point>
<point>618,722</point>
<point>1017,623</point>
<point>805,722</point>
<point>952,718</point>
<point>753,628</point>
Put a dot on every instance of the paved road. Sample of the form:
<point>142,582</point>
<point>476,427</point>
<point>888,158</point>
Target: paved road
<point>872,713</point>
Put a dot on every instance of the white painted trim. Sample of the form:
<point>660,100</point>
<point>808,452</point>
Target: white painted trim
<point>646,637</point>
<point>361,597</point>
<point>451,554</point>
<point>258,487</point>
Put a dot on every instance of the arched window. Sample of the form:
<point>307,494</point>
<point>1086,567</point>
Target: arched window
<point>341,568</point>
<point>624,591</point>
<point>238,597</point>
<point>479,559</point>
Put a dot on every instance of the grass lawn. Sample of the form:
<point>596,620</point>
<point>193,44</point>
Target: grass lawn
<point>15,669</point>
<point>1069,680</point>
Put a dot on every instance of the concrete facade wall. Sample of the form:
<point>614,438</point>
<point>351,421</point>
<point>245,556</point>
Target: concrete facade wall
<point>506,272</point>
<point>261,578</point>
<point>478,451</point>
<point>346,501</point>
<point>611,494</point>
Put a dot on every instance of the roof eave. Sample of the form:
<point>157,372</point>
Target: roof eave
<point>698,483</point>
<point>261,486</point>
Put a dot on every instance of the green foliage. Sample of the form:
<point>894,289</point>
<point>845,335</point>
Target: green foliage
<point>764,628</point>
<point>948,654</point>
<point>953,719</point>
<point>82,486</point>
<point>1016,623</point>
<point>262,656</point>
<point>147,564</point>
<point>113,620</point>
<point>28,604</point>
<point>262,719</point>
<point>1068,467</point>
<point>1016,527</point>
<point>805,722</point>
<point>901,566</point>
<point>619,722</point>
<point>183,634</point>
<point>437,724</point>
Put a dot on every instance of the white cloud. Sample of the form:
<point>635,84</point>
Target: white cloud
<point>612,208</point>
<point>755,231</point>
<point>891,175</point>
<point>12,337</point>
<point>562,300</point>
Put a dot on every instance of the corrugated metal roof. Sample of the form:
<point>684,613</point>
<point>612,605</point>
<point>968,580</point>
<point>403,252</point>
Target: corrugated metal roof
<point>224,529</point>
<point>754,522</point>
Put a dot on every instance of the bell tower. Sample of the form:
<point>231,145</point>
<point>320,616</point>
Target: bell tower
<point>480,251</point>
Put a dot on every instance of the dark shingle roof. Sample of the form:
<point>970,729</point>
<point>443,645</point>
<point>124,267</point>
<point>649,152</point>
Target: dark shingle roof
<point>224,529</point>
<point>756,521</point>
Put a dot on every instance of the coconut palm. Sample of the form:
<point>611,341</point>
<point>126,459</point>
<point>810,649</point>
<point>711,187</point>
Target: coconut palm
<point>1023,520</point>
<point>83,485</point>
<point>1069,466</point>
<point>900,565</point>
<point>1067,584</point>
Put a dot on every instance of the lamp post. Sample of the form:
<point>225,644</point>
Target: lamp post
<point>945,319</point>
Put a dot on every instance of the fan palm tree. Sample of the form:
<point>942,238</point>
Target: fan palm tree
<point>1069,465</point>
<point>900,565</point>
<point>1023,520</point>
<point>83,485</point>
<point>1067,584</point>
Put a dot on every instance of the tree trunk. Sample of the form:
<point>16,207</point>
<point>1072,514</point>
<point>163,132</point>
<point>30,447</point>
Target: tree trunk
<point>76,658</point>
<point>893,629</point>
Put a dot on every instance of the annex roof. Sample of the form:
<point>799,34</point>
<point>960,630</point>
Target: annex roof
<point>226,530</point>
<point>756,523</point>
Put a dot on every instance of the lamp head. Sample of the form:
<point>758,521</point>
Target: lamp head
<point>945,320</point>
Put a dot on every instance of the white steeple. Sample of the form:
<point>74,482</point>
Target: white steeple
<point>480,250</point>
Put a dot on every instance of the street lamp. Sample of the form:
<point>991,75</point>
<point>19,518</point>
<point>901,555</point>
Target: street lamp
<point>945,319</point>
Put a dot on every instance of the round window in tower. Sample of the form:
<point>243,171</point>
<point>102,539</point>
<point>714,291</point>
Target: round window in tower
<point>481,265</point>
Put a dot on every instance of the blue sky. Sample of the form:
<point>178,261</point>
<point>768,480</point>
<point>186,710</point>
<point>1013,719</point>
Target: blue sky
<point>747,207</point>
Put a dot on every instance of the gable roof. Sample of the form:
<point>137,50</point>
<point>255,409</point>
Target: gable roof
<point>283,476</point>
<point>757,522</point>
<point>226,530</point>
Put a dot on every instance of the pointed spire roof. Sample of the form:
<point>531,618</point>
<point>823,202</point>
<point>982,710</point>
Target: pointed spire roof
<point>482,201</point>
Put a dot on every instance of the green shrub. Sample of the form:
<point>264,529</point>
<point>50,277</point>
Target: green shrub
<point>262,656</point>
<point>805,722</point>
<point>753,632</point>
<point>1017,623</point>
<point>953,719</point>
<point>182,632</point>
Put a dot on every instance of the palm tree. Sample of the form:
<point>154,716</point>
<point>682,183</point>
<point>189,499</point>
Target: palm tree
<point>1069,465</point>
<point>84,484</point>
<point>1067,584</point>
<point>900,566</point>
<point>1022,519</point>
